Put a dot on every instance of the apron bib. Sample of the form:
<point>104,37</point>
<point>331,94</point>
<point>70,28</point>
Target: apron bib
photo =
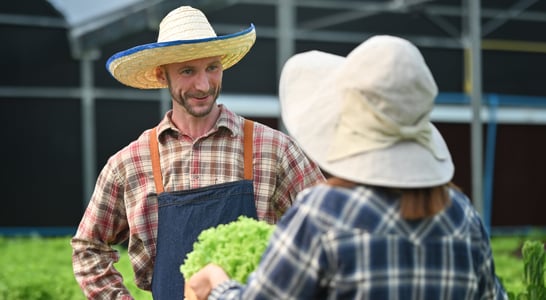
<point>182,215</point>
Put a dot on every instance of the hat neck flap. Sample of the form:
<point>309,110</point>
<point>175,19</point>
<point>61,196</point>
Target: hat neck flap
<point>362,128</point>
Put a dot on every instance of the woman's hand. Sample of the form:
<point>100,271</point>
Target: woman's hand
<point>205,280</point>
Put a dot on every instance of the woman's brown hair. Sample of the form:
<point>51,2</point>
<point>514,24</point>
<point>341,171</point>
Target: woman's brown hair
<point>415,203</point>
<point>423,203</point>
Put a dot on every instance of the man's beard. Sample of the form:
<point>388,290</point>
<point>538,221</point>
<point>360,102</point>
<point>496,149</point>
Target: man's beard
<point>181,99</point>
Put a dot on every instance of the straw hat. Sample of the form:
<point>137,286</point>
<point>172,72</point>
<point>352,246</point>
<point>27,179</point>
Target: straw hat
<point>184,34</point>
<point>365,117</point>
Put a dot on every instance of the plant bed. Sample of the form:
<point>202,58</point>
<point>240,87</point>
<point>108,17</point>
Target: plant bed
<point>36,268</point>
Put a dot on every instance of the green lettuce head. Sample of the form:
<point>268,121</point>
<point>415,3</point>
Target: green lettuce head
<point>237,247</point>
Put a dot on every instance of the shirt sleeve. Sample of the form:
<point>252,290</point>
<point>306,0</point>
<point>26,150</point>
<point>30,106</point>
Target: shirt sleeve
<point>230,289</point>
<point>103,224</point>
<point>490,286</point>
<point>296,173</point>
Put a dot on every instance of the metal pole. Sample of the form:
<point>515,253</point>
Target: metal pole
<point>286,26</point>
<point>88,124</point>
<point>474,87</point>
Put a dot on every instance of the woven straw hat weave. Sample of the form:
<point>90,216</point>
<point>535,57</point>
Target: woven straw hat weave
<point>184,34</point>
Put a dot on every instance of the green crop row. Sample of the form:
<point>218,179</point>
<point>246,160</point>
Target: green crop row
<point>35,268</point>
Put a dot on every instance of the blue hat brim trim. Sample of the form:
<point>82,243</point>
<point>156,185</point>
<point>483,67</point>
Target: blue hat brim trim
<point>174,43</point>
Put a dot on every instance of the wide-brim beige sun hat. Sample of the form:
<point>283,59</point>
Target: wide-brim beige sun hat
<point>184,34</point>
<point>366,117</point>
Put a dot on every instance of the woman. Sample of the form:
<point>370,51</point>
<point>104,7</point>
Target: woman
<point>388,224</point>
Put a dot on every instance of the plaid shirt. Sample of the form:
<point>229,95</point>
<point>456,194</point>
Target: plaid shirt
<point>124,203</point>
<point>337,243</point>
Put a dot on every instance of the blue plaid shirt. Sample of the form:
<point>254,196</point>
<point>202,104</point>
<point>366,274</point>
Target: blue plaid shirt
<point>337,243</point>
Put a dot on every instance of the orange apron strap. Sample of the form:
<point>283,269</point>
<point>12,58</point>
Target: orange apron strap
<point>248,154</point>
<point>156,164</point>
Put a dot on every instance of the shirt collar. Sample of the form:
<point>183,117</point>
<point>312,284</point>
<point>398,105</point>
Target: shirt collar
<point>227,119</point>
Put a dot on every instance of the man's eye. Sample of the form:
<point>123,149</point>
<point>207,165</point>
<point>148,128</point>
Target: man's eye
<point>186,71</point>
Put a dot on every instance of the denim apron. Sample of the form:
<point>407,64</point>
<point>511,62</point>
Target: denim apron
<point>182,215</point>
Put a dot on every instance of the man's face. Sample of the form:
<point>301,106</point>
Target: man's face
<point>194,85</point>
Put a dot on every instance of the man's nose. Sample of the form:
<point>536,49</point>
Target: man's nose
<point>202,81</point>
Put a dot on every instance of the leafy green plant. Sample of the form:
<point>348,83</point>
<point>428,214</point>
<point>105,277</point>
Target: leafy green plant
<point>39,268</point>
<point>237,247</point>
<point>533,266</point>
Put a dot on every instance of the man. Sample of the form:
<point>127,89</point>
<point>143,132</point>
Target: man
<point>201,166</point>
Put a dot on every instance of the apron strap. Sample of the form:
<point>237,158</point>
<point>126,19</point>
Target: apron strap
<point>248,153</point>
<point>156,165</point>
<point>247,150</point>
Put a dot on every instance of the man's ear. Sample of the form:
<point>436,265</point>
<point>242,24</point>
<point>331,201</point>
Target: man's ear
<point>160,75</point>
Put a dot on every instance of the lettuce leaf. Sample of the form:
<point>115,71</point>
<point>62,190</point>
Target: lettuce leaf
<point>237,247</point>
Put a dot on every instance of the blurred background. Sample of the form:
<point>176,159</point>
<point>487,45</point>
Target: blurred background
<point>63,115</point>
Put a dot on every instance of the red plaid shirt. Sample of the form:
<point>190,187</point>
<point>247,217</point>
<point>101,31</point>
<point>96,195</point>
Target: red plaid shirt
<point>124,203</point>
